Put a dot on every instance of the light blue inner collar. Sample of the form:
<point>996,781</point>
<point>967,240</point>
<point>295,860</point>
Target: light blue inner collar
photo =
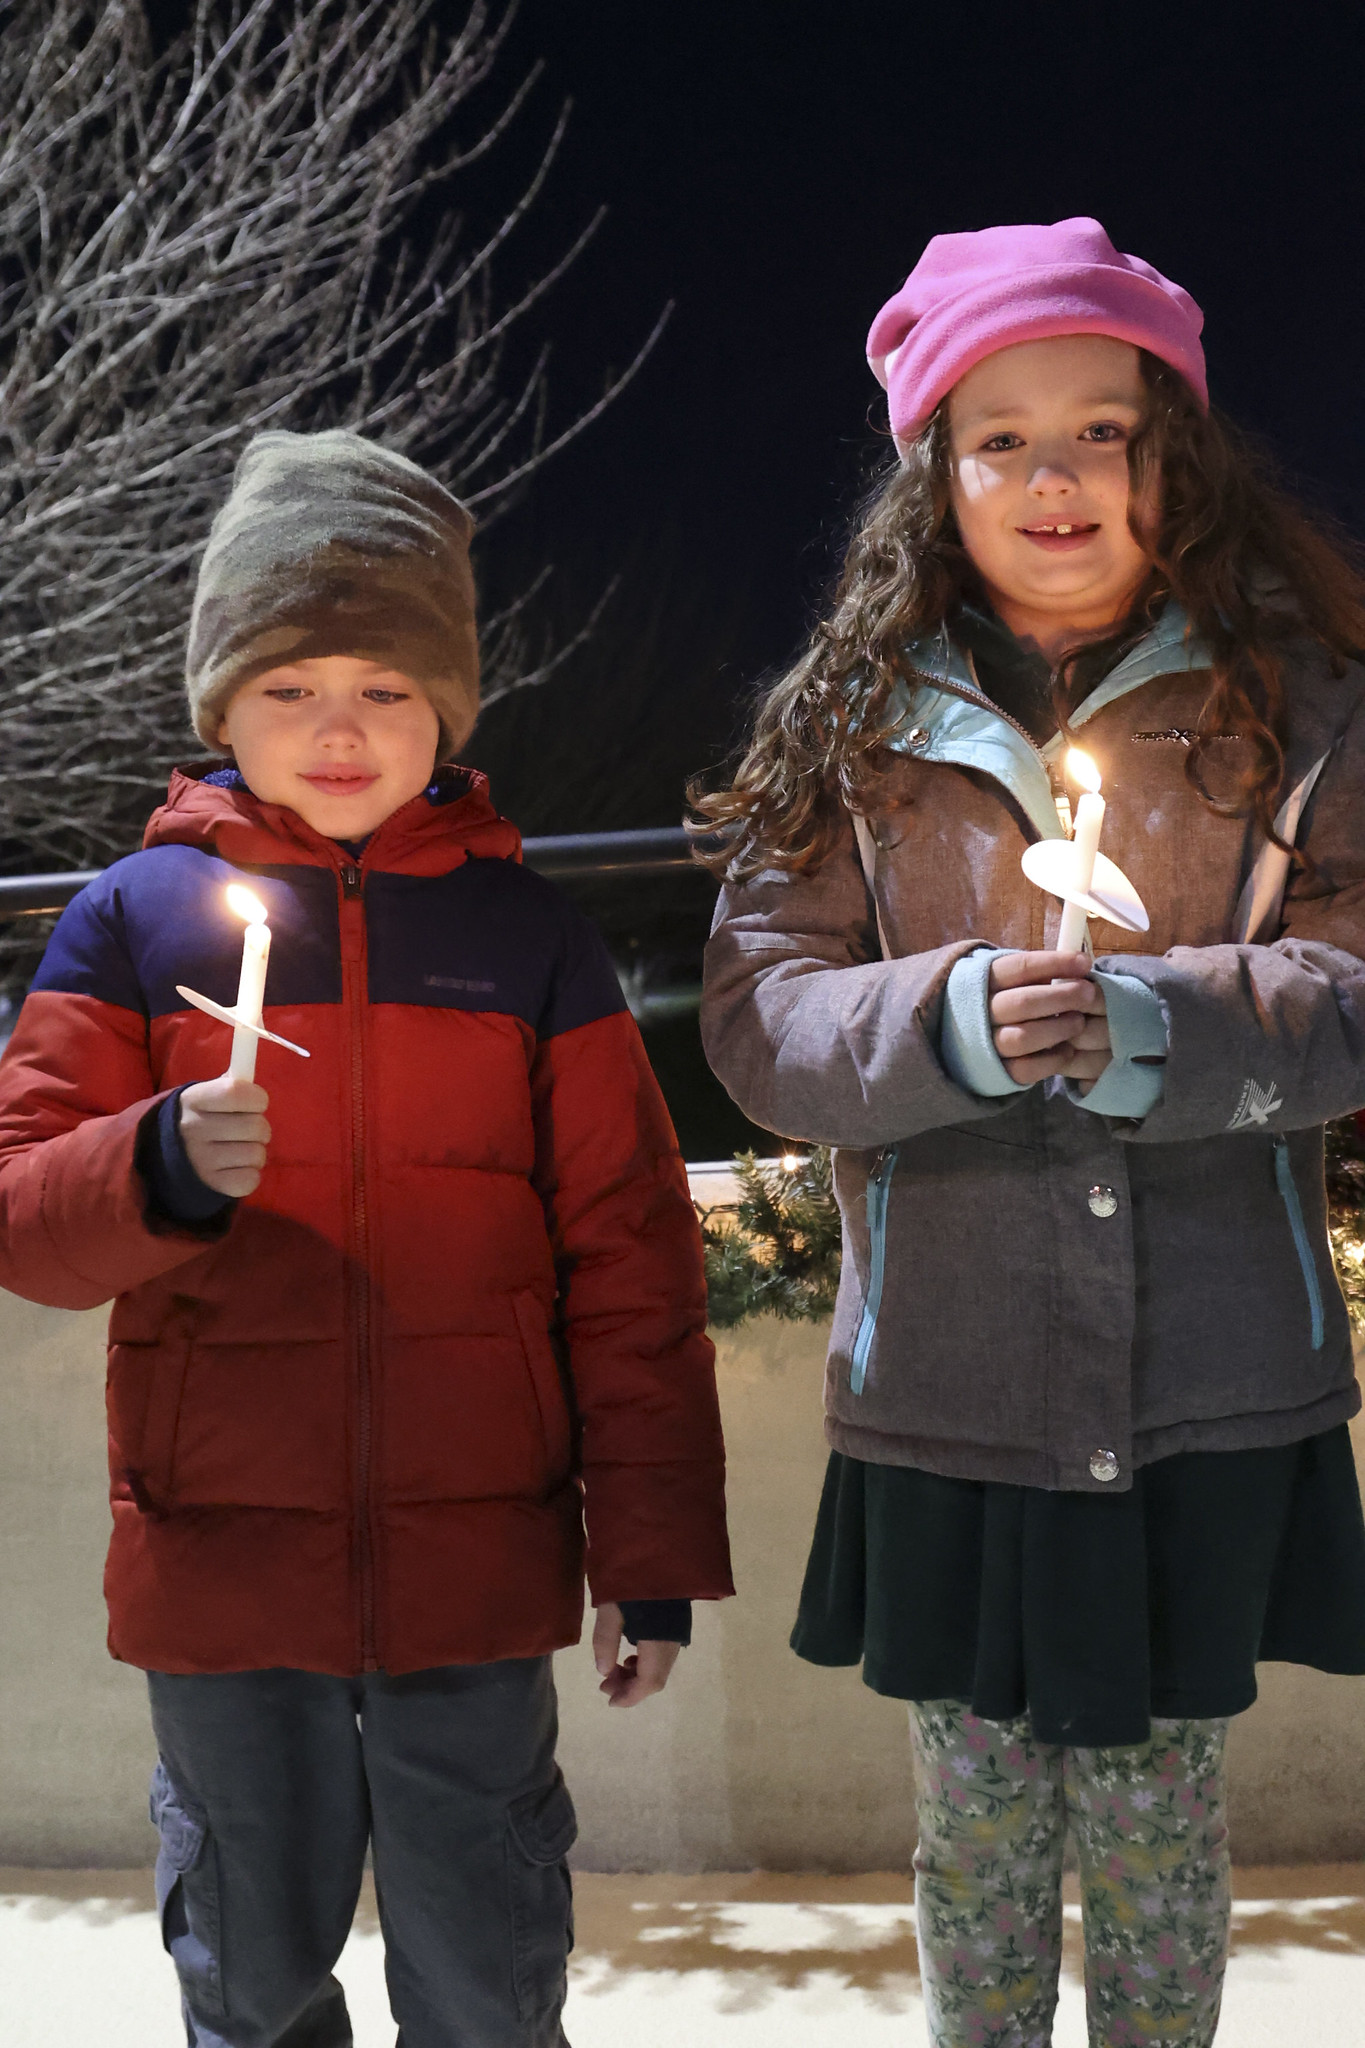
<point>936,724</point>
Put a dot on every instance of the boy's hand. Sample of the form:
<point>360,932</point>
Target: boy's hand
<point>224,1132</point>
<point>644,1673</point>
<point>1048,1017</point>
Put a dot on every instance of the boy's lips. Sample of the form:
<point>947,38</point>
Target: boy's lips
<point>332,782</point>
<point>1060,536</point>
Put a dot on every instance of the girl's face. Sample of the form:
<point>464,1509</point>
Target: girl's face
<point>1039,438</point>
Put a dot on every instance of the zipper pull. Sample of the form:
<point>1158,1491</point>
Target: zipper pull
<point>350,880</point>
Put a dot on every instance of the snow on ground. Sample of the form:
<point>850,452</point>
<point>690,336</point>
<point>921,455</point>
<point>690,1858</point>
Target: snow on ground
<point>739,1962</point>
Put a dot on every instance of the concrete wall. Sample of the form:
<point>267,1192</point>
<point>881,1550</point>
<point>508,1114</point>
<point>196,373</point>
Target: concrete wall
<point>750,1759</point>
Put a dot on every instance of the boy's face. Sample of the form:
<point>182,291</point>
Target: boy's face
<point>343,742</point>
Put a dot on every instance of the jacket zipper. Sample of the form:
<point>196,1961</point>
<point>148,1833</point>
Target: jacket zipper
<point>353,967</point>
<point>978,696</point>
<point>1289,1195</point>
<point>878,1195</point>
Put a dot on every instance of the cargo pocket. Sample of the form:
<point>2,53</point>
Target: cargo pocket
<point>187,1896</point>
<point>541,1829</point>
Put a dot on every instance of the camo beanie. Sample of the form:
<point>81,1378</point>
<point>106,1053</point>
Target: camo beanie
<point>331,544</point>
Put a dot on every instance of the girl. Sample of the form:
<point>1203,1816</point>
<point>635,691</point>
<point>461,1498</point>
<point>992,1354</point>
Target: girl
<point>1090,1375</point>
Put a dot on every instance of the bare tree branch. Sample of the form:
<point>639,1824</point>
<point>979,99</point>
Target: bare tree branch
<point>270,225</point>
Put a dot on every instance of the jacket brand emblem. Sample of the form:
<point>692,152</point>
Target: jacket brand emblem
<point>1181,735</point>
<point>472,988</point>
<point>1255,1106</point>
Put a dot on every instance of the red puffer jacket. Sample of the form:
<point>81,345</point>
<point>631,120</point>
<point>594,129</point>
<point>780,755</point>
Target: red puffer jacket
<point>360,1421</point>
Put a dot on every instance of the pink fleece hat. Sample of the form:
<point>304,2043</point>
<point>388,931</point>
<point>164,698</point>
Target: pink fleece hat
<point>970,295</point>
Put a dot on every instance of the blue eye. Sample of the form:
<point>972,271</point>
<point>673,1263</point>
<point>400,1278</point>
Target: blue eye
<point>285,696</point>
<point>1104,432</point>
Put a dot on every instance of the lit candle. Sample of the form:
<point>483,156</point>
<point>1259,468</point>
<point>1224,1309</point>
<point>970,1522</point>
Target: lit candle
<point>1085,841</point>
<point>250,1003</point>
<point>1076,870</point>
<point>246,1014</point>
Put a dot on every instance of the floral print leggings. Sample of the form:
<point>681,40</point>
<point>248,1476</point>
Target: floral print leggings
<point>994,1808</point>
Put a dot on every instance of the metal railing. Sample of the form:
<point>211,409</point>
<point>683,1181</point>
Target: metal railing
<point>560,857</point>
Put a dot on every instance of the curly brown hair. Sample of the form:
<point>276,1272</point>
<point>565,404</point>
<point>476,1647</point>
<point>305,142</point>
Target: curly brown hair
<point>1253,570</point>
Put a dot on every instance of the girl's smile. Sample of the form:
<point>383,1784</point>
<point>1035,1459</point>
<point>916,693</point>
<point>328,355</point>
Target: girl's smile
<point>1039,436</point>
<point>1063,538</point>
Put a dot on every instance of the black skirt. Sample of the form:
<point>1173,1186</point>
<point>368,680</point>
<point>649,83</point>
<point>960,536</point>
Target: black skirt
<point>1092,1612</point>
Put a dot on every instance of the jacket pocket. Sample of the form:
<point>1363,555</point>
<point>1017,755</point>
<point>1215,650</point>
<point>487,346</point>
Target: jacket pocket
<point>547,1382</point>
<point>542,1827</point>
<point>1308,1265</point>
<point>878,1196</point>
<point>187,1895</point>
<point>146,1385</point>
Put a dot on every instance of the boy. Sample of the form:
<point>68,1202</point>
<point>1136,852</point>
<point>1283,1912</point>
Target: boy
<point>375,1360</point>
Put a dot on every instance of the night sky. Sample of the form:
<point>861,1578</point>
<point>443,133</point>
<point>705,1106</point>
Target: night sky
<point>777,170</point>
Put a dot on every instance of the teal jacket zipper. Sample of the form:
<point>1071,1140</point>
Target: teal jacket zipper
<point>1289,1195</point>
<point>878,1194</point>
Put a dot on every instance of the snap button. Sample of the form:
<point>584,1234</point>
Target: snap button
<point>1103,1202</point>
<point>917,737</point>
<point>1104,1465</point>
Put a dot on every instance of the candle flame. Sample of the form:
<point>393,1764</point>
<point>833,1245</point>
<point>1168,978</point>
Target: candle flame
<point>245,904</point>
<point>1082,769</point>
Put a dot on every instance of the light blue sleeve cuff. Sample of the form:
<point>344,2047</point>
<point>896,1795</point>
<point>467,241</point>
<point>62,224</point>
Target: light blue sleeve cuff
<point>965,1045</point>
<point>1132,1083</point>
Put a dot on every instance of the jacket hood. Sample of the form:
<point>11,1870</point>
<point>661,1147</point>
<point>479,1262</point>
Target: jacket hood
<point>451,821</point>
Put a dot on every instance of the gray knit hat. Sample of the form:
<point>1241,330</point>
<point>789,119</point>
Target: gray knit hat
<point>330,544</point>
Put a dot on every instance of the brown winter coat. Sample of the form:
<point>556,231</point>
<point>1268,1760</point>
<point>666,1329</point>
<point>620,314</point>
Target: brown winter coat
<point>1019,1333</point>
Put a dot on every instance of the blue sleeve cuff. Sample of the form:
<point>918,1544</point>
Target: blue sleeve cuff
<point>176,1191</point>
<point>1133,1082</point>
<point>657,1621</point>
<point>965,1044</point>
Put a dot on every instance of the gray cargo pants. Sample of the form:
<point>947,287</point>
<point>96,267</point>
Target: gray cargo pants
<point>269,1788</point>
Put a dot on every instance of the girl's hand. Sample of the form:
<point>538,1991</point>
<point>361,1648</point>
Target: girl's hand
<point>1048,1017</point>
<point>224,1132</point>
<point>642,1674</point>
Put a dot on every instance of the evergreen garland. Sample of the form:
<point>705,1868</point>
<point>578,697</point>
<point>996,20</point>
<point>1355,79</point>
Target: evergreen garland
<point>779,1253</point>
<point>1346,1210</point>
